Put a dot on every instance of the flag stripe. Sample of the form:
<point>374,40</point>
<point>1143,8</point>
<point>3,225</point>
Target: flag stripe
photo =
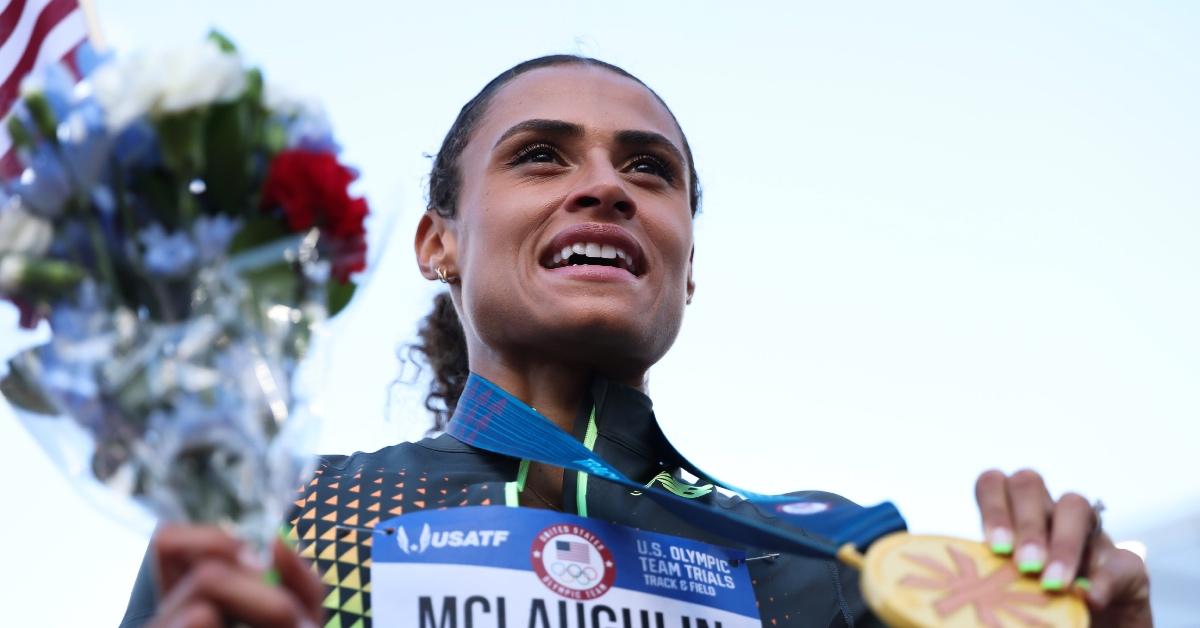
<point>17,41</point>
<point>575,552</point>
<point>33,33</point>
<point>63,38</point>
<point>54,12</point>
<point>10,17</point>
<point>10,166</point>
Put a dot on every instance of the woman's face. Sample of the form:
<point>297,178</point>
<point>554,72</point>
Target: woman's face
<point>580,161</point>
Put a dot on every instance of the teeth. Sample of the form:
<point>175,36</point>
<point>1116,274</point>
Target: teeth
<point>594,250</point>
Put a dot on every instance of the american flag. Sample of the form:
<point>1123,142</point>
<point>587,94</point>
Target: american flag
<point>573,551</point>
<point>33,34</point>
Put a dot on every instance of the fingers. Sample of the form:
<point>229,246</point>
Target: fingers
<point>178,547</point>
<point>991,493</point>
<point>239,594</point>
<point>1061,540</point>
<point>195,615</point>
<point>296,576</point>
<point>1030,504</point>
<point>206,577</point>
<point>1070,531</point>
<point>1117,574</point>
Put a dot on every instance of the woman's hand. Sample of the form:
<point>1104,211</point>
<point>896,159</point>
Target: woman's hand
<point>206,578</point>
<point>1061,543</point>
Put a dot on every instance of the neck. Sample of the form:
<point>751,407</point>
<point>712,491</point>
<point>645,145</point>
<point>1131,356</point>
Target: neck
<point>556,390</point>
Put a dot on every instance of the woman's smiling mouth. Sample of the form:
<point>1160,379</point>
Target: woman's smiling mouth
<point>595,251</point>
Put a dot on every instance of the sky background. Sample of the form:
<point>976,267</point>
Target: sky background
<point>936,238</point>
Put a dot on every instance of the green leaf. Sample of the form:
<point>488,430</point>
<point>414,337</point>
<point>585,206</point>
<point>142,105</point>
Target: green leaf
<point>21,137</point>
<point>43,116</point>
<point>257,231</point>
<point>158,191</point>
<point>224,43</point>
<point>50,277</point>
<point>276,283</point>
<point>23,393</point>
<point>338,295</point>
<point>254,86</point>
<point>227,156</point>
<point>181,136</point>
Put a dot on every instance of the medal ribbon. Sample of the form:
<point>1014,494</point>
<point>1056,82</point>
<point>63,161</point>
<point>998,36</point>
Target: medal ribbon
<point>489,418</point>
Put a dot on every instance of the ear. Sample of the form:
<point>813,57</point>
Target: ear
<point>691,284</point>
<point>435,245</point>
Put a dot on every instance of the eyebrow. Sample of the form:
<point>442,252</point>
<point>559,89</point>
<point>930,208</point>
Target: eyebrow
<point>562,128</point>
<point>649,139</point>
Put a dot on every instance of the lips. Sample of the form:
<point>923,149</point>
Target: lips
<point>595,245</point>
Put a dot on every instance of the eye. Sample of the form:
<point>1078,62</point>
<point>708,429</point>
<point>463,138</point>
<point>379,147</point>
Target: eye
<point>536,154</point>
<point>650,164</point>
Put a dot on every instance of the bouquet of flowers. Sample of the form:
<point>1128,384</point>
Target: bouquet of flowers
<point>184,228</point>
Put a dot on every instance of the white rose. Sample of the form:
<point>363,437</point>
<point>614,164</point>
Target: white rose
<point>12,271</point>
<point>201,75</point>
<point>289,102</point>
<point>306,119</point>
<point>173,80</point>
<point>22,232</point>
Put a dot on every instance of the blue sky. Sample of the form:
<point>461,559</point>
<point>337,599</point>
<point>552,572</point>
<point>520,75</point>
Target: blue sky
<point>937,238</point>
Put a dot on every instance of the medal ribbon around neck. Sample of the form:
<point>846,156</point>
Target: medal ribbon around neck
<point>489,418</point>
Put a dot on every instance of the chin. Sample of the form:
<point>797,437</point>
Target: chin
<point>609,341</point>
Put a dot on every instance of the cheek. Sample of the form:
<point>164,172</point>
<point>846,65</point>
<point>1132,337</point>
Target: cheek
<point>677,242</point>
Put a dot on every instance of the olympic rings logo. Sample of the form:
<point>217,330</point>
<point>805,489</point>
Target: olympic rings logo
<point>582,576</point>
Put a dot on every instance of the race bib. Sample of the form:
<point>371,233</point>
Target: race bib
<point>500,567</point>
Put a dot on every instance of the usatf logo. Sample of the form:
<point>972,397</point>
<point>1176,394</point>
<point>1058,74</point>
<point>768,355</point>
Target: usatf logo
<point>573,562</point>
<point>448,538</point>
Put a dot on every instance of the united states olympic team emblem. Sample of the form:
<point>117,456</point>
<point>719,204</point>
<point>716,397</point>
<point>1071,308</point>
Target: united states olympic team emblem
<point>573,562</point>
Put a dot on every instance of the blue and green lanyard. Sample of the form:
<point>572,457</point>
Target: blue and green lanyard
<point>489,418</point>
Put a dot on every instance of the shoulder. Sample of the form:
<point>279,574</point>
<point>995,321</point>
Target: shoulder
<point>429,452</point>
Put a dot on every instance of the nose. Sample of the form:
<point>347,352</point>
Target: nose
<point>602,189</point>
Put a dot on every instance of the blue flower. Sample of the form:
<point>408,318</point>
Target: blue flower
<point>44,185</point>
<point>136,146</point>
<point>212,235</point>
<point>85,142</point>
<point>169,255</point>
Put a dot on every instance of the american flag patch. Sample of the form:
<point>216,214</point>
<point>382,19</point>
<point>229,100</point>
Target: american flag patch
<point>573,551</point>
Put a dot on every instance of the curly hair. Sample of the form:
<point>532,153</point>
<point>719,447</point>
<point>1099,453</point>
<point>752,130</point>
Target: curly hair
<point>441,340</point>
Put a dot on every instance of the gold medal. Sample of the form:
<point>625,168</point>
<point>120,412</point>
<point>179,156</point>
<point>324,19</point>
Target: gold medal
<point>926,581</point>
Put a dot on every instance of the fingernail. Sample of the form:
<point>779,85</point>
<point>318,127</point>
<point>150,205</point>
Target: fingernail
<point>1054,577</point>
<point>1030,558</point>
<point>1001,540</point>
<point>1083,584</point>
<point>271,577</point>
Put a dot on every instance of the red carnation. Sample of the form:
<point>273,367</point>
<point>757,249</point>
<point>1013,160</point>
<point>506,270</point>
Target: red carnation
<point>311,189</point>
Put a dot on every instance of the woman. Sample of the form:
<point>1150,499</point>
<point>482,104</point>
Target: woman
<point>560,215</point>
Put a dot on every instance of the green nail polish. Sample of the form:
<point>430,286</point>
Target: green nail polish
<point>1003,549</point>
<point>1029,566</point>
<point>1083,584</point>
<point>271,577</point>
<point>1053,584</point>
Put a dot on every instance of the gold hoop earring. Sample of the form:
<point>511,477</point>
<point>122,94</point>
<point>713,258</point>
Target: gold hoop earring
<point>443,276</point>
